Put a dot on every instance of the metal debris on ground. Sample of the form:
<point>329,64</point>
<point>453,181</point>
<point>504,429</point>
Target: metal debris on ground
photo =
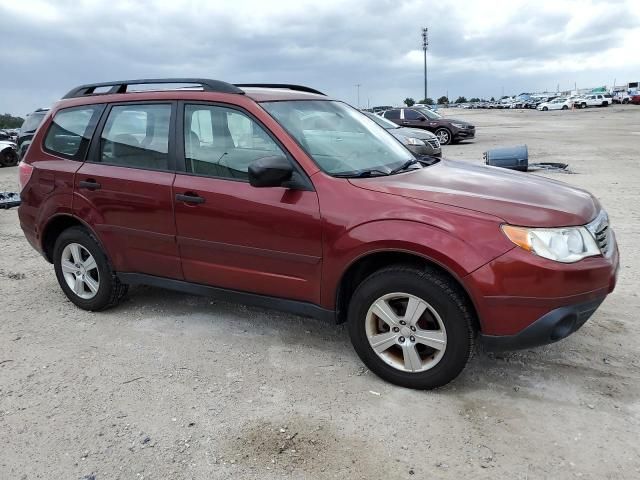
<point>9,199</point>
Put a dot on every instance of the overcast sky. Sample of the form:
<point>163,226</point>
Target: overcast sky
<point>476,48</point>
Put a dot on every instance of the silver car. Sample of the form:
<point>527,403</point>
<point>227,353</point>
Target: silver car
<point>420,142</point>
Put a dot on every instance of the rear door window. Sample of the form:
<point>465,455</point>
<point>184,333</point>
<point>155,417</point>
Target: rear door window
<point>137,136</point>
<point>70,131</point>
<point>411,115</point>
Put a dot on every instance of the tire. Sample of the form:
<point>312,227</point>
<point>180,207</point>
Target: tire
<point>625,101</point>
<point>444,136</point>
<point>443,306</point>
<point>8,158</point>
<point>99,287</point>
<point>565,107</point>
<point>583,105</point>
<point>545,109</point>
<point>605,104</point>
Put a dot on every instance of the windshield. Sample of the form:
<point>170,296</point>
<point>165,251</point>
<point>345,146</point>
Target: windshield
<point>430,114</point>
<point>338,137</point>
<point>32,122</point>
<point>383,122</point>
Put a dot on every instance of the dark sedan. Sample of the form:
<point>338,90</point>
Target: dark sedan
<point>448,130</point>
<point>420,142</point>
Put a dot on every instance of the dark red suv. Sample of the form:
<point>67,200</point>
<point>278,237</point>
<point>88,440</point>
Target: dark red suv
<point>277,196</point>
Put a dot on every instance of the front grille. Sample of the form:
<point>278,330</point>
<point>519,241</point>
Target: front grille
<point>434,143</point>
<point>599,228</point>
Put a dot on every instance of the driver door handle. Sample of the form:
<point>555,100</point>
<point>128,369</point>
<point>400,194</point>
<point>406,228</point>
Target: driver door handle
<point>189,198</point>
<point>89,184</point>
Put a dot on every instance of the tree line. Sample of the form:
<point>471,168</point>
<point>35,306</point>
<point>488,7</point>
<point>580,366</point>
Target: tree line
<point>443,100</point>
<point>9,121</point>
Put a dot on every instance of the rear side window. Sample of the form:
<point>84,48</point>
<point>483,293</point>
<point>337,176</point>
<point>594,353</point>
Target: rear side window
<point>392,114</point>
<point>411,115</point>
<point>137,136</point>
<point>70,131</point>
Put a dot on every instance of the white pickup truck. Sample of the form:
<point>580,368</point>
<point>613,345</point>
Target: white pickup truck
<point>595,100</point>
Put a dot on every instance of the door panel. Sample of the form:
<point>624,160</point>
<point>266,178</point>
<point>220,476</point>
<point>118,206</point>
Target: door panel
<point>132,212</point>
<point>125,190</point>
<point>260,240</point>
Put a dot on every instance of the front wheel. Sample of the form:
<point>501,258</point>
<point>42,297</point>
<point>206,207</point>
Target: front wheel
<point>83,271</point>
<point>411,327</point>
<point>444,136</point>
<point>564,107</point>
<point>583,105</point>
<point>545,109</point>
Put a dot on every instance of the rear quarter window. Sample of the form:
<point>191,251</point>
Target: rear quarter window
<point>70,131</point>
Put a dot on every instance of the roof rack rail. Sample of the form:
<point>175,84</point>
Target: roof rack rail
<point>299,88</point>
<point>120,86</point>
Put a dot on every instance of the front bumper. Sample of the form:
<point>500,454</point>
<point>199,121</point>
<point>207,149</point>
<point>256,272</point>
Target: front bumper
<point>425,150</point>
<point>551,327</point>
<point>524,300</point>
<point>462,134</point>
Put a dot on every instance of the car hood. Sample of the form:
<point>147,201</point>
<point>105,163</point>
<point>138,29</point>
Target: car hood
<point>515,197</point>
<point>414,133</point>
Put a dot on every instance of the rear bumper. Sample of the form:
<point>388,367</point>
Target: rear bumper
<point>551,327</point>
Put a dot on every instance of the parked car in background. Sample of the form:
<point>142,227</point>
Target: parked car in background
<point>595,100</point>
<point>556,104</point>
<point>28,129</point>
<point>420,142</point>
<point>621,97</point>
<point>635,99</point>
<point>447,130</point>
<point>8,153</point>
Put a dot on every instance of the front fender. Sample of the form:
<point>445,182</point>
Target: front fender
<point>456,253</point>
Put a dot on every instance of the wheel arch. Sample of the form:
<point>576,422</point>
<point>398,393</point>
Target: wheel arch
<point>364,265</point>
<point>58,224</point>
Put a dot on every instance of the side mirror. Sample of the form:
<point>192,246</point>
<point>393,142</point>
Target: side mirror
<point>270,171</point>
<point>422,119</point>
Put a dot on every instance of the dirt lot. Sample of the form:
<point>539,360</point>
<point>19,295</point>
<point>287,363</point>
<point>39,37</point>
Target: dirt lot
<point>173,386</point>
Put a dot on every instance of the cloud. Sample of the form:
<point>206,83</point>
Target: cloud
<point>476,48</point>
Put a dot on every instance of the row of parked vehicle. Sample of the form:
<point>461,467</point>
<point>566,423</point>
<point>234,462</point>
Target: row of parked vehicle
<point>8,147</point>
<point>557,102</point>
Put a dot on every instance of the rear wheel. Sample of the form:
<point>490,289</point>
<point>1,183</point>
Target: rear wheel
<point>565,107</point>
<point>411,327</point>
<point>583,105</point>
<point>444,136</point>
<point>605,104</point>
<point>545,109</point>
<point>83,271</point>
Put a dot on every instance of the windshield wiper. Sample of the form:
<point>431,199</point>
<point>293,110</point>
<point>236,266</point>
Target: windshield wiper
<point>404,166</point>
<point>361,173</point>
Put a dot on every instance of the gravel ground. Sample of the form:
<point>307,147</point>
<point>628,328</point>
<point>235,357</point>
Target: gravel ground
<point>170,386</point>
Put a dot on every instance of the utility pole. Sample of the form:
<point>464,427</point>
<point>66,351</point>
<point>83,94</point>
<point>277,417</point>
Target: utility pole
<point>425,44</point>
<point>358,85</point>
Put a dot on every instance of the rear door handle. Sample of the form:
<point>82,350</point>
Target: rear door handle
<point>189,198</point>
<point>90,184</point>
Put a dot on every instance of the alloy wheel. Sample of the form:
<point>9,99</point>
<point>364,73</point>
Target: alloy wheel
<point>406,332</point>
<point>443,137</point>
<point>80,271</point>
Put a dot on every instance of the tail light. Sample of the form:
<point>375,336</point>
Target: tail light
<point>24,174</point>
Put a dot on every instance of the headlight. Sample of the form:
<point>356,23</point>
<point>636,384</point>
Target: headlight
<point>566,244</point>
<point>458,125</point>
<point>413,141</point>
